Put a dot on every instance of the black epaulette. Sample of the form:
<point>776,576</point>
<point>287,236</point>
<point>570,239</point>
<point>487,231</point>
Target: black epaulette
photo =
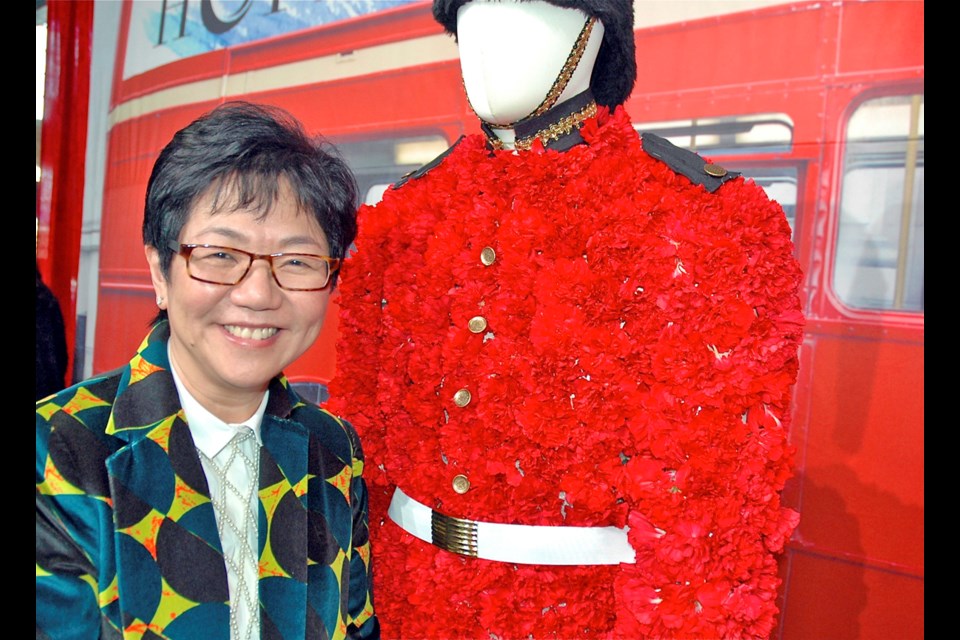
<point>686,163</point>
<point>417,173</point>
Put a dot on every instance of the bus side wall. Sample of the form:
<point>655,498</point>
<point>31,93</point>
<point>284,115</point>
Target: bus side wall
<point>854,567</point>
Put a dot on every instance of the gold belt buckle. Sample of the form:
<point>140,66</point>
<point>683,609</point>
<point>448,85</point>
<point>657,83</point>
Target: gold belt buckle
<point>454,534</point>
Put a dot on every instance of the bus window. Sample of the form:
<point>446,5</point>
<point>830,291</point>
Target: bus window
<point>879,250</point>
<point>378,163</point>
<point>741,135</point>
<point>374,194</point>
<point>729,135</point>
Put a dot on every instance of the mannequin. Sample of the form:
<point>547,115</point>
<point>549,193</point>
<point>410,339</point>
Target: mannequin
<point>508,77</point>
<point>570,351</point>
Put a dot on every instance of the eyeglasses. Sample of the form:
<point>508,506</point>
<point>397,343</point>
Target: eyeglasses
<point>228,266</point>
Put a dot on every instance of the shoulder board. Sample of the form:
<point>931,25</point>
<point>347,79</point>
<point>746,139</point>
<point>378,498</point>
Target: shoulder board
<point>686,163</point>
<point>417,173</point>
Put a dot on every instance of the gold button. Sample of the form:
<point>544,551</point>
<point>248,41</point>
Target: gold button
<point>477,324</point>
<point>488,256</point>
<point>714,170</point>
<point>462,398</point>
<point>461,484</point>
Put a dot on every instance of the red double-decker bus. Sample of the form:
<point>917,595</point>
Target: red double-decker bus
<point>822,103</point>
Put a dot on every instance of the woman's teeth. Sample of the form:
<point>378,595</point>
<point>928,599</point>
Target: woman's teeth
<point>251,334</point>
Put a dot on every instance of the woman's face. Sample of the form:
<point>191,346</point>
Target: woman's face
<point>229,341</point>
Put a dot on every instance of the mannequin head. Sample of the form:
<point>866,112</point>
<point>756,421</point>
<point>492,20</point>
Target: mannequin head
<point>615,68</point>
<point>509,76</point>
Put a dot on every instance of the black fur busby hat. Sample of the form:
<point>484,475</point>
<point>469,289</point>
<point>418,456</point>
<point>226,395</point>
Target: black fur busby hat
<point>615,71</point>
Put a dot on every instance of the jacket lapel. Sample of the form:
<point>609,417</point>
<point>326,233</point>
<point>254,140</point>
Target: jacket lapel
<point>170,556</point>
<point>159,468</point>
<point>284,539</point>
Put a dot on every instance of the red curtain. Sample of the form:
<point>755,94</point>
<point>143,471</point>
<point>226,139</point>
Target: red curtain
<point>63,142</point>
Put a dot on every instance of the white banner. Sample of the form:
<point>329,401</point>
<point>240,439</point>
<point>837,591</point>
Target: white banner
<point>162,31</point>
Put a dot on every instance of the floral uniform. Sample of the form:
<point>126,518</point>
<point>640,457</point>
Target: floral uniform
<point>582,337</point>
<point>127,542</point>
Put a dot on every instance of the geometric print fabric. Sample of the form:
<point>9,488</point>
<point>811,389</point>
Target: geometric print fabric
<point>114,452</point>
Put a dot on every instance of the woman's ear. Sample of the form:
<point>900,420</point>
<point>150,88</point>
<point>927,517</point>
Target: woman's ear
<point>156,275</point>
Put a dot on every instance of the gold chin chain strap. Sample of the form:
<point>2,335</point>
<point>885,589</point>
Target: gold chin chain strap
<point>566,72</point>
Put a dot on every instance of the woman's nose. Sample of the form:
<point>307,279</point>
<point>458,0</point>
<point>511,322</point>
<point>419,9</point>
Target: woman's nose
<point>258,289</point>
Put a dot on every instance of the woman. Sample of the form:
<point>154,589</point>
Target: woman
<point>193,490</point>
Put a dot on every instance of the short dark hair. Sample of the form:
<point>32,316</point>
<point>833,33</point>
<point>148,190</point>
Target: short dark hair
<point>246,149</point>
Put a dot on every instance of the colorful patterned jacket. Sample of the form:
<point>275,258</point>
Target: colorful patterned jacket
<point>127,542</point>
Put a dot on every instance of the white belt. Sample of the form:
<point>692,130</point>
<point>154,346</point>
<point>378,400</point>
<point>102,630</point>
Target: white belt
<point>515,543</point>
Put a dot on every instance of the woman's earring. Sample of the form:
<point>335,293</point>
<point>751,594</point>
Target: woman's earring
<point>159,300</point>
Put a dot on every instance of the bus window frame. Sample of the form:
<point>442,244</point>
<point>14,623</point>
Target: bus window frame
<point>841,169</point>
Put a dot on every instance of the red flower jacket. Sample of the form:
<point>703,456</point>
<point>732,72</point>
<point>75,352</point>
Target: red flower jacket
<point>630,362</point>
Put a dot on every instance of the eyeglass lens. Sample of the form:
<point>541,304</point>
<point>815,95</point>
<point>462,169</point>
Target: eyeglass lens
<point>223,265</point>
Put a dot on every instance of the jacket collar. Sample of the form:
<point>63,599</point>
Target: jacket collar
<point>147,394</point>
<point>558,128</point>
